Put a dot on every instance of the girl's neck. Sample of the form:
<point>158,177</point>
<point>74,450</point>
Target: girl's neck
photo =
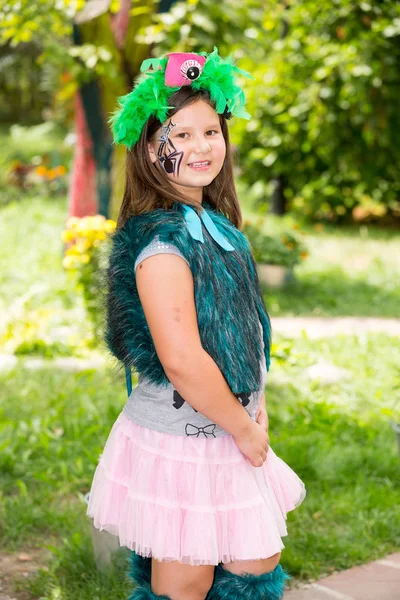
<point>193,193</point>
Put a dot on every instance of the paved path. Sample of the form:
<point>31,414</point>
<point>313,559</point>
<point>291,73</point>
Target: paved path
<point>378,580</point>
<point>318,327</point>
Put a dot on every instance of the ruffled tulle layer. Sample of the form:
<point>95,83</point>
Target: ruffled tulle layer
<point>196,500</point>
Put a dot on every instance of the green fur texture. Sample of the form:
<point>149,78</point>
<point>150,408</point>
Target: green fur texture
<point>150,95</point>
<point>140,569</point>
<point>228,298</point>
<point>228,586</point>
<point>144,593</point>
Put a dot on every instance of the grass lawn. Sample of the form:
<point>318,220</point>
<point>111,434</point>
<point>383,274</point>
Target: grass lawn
<point>352,271</point>
<point>53,424</point>
<point>336,437</point>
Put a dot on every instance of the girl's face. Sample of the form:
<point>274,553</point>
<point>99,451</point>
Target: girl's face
<point>190,148</point>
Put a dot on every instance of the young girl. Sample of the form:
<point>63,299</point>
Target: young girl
<point>187,479</point>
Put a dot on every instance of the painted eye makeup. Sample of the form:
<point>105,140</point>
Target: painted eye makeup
<point>168,156</point>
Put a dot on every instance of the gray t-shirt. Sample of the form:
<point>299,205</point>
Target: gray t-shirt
<point>163,408</point>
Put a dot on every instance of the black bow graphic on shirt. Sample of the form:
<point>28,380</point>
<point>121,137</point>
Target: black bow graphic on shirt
<point>243,397</point>
<point>207,431</point>
<point>178,401</point>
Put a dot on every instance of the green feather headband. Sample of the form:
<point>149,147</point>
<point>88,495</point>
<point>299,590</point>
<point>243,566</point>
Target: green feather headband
<point>161,77</point>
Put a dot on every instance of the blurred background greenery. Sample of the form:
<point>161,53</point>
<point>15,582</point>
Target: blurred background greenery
<point>318,179</point>
<point>324,138</point>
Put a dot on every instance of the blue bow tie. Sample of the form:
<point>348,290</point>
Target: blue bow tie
<point>193,222</point>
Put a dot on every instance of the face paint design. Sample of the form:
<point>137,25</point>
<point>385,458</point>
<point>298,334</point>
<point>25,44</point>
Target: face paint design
<point>168,156</point>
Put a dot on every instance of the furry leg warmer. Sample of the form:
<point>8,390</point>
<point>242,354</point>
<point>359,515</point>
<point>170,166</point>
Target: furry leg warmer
<point>140,572</point>
<point>140,569</point>
<point>143,592</point>
<point>228,586</point>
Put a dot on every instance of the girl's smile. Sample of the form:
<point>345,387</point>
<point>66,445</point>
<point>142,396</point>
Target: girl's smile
<point>200,166</point>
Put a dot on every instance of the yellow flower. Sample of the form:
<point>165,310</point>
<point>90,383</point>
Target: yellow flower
<point>82,227</point>
<point>67,236</point>
<point>69,262</point>
<point>72,222</point>
<point>87,222</point>
<point>98,221</point>
<point>109,226</point>
<point>85,258</point>
<point>83,244</point>
<point>73,251</point>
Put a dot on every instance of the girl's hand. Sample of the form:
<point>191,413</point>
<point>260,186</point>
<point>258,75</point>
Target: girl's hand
<point>253,442</point>
<point>261,414</point>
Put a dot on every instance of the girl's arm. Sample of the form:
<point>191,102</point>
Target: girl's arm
<point>166,290</point>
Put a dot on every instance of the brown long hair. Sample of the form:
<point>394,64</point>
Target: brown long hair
<point>146,185</point>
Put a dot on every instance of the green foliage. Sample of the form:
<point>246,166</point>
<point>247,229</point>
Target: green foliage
<point>325,115</point>
<point>87,259</point>
<point>33,161</point>
<point>196,25</point>
<point>90,277</point>
<point>284,249</point>
<point>22,21</point>
<point>89,280</point>
<point>24,143</point>
<point>42,348</point>
<point>325,101</point>
<point>39,36</point>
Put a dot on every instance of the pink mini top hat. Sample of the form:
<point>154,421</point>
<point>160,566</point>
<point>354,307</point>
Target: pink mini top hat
<point>183,68</point>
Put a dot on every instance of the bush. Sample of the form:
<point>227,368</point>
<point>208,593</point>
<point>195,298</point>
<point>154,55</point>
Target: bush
<point>33,161</point>
<point>283,248</point>
<point>324,102</point>
<point>85,257</point>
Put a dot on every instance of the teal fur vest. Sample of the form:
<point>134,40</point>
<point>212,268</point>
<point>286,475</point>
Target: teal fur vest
<point>228,298</point>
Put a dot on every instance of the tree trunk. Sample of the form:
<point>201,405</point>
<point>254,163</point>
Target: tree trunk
<point>278,197</point>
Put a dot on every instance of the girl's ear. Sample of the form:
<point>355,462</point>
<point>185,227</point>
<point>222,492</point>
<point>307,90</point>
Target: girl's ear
<point>152,153</point>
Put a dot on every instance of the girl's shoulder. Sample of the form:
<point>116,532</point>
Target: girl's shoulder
<point>138,230</point>
<point>155,218</point>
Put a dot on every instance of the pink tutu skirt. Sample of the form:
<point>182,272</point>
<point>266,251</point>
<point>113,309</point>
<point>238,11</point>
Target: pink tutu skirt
<point>195,500</point>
